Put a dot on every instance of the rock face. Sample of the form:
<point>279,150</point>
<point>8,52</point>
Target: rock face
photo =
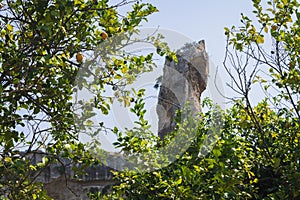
<point>182,82</point>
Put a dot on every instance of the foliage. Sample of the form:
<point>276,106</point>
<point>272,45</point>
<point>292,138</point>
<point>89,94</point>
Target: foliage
<point>237,166</point>
<point>257,152</point>
<point>42,44</point>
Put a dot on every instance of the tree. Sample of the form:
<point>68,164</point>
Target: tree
<point>43,45</point>
<point>257,152</point>
<point>269,47</point>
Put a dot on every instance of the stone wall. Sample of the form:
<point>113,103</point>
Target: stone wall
<point>61,182</point>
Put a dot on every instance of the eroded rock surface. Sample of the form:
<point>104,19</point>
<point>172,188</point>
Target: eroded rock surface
<point>182,82</point>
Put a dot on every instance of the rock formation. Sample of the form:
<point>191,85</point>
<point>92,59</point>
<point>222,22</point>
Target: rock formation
<point>182,82</point>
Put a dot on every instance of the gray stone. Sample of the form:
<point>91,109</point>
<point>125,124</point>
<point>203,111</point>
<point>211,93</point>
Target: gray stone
<point>61,182</point>
<point>182,82</point>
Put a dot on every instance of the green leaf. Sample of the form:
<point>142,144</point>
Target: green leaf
<point>8,159</point>
<point>10,27</point>
<point>260,39</point>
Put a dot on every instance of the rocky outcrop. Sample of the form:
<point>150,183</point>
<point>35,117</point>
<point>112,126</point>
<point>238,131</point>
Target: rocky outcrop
<point>182,82</point>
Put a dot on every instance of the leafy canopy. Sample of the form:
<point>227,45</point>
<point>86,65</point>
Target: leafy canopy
<point>257,152</point>
<point>43,45</point>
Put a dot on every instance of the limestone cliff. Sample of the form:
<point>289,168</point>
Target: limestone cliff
<point>182,82</point>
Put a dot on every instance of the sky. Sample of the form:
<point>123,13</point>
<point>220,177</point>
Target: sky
<point>199,19</point>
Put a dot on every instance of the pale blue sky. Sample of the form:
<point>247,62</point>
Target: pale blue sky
<point>199,19</point>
